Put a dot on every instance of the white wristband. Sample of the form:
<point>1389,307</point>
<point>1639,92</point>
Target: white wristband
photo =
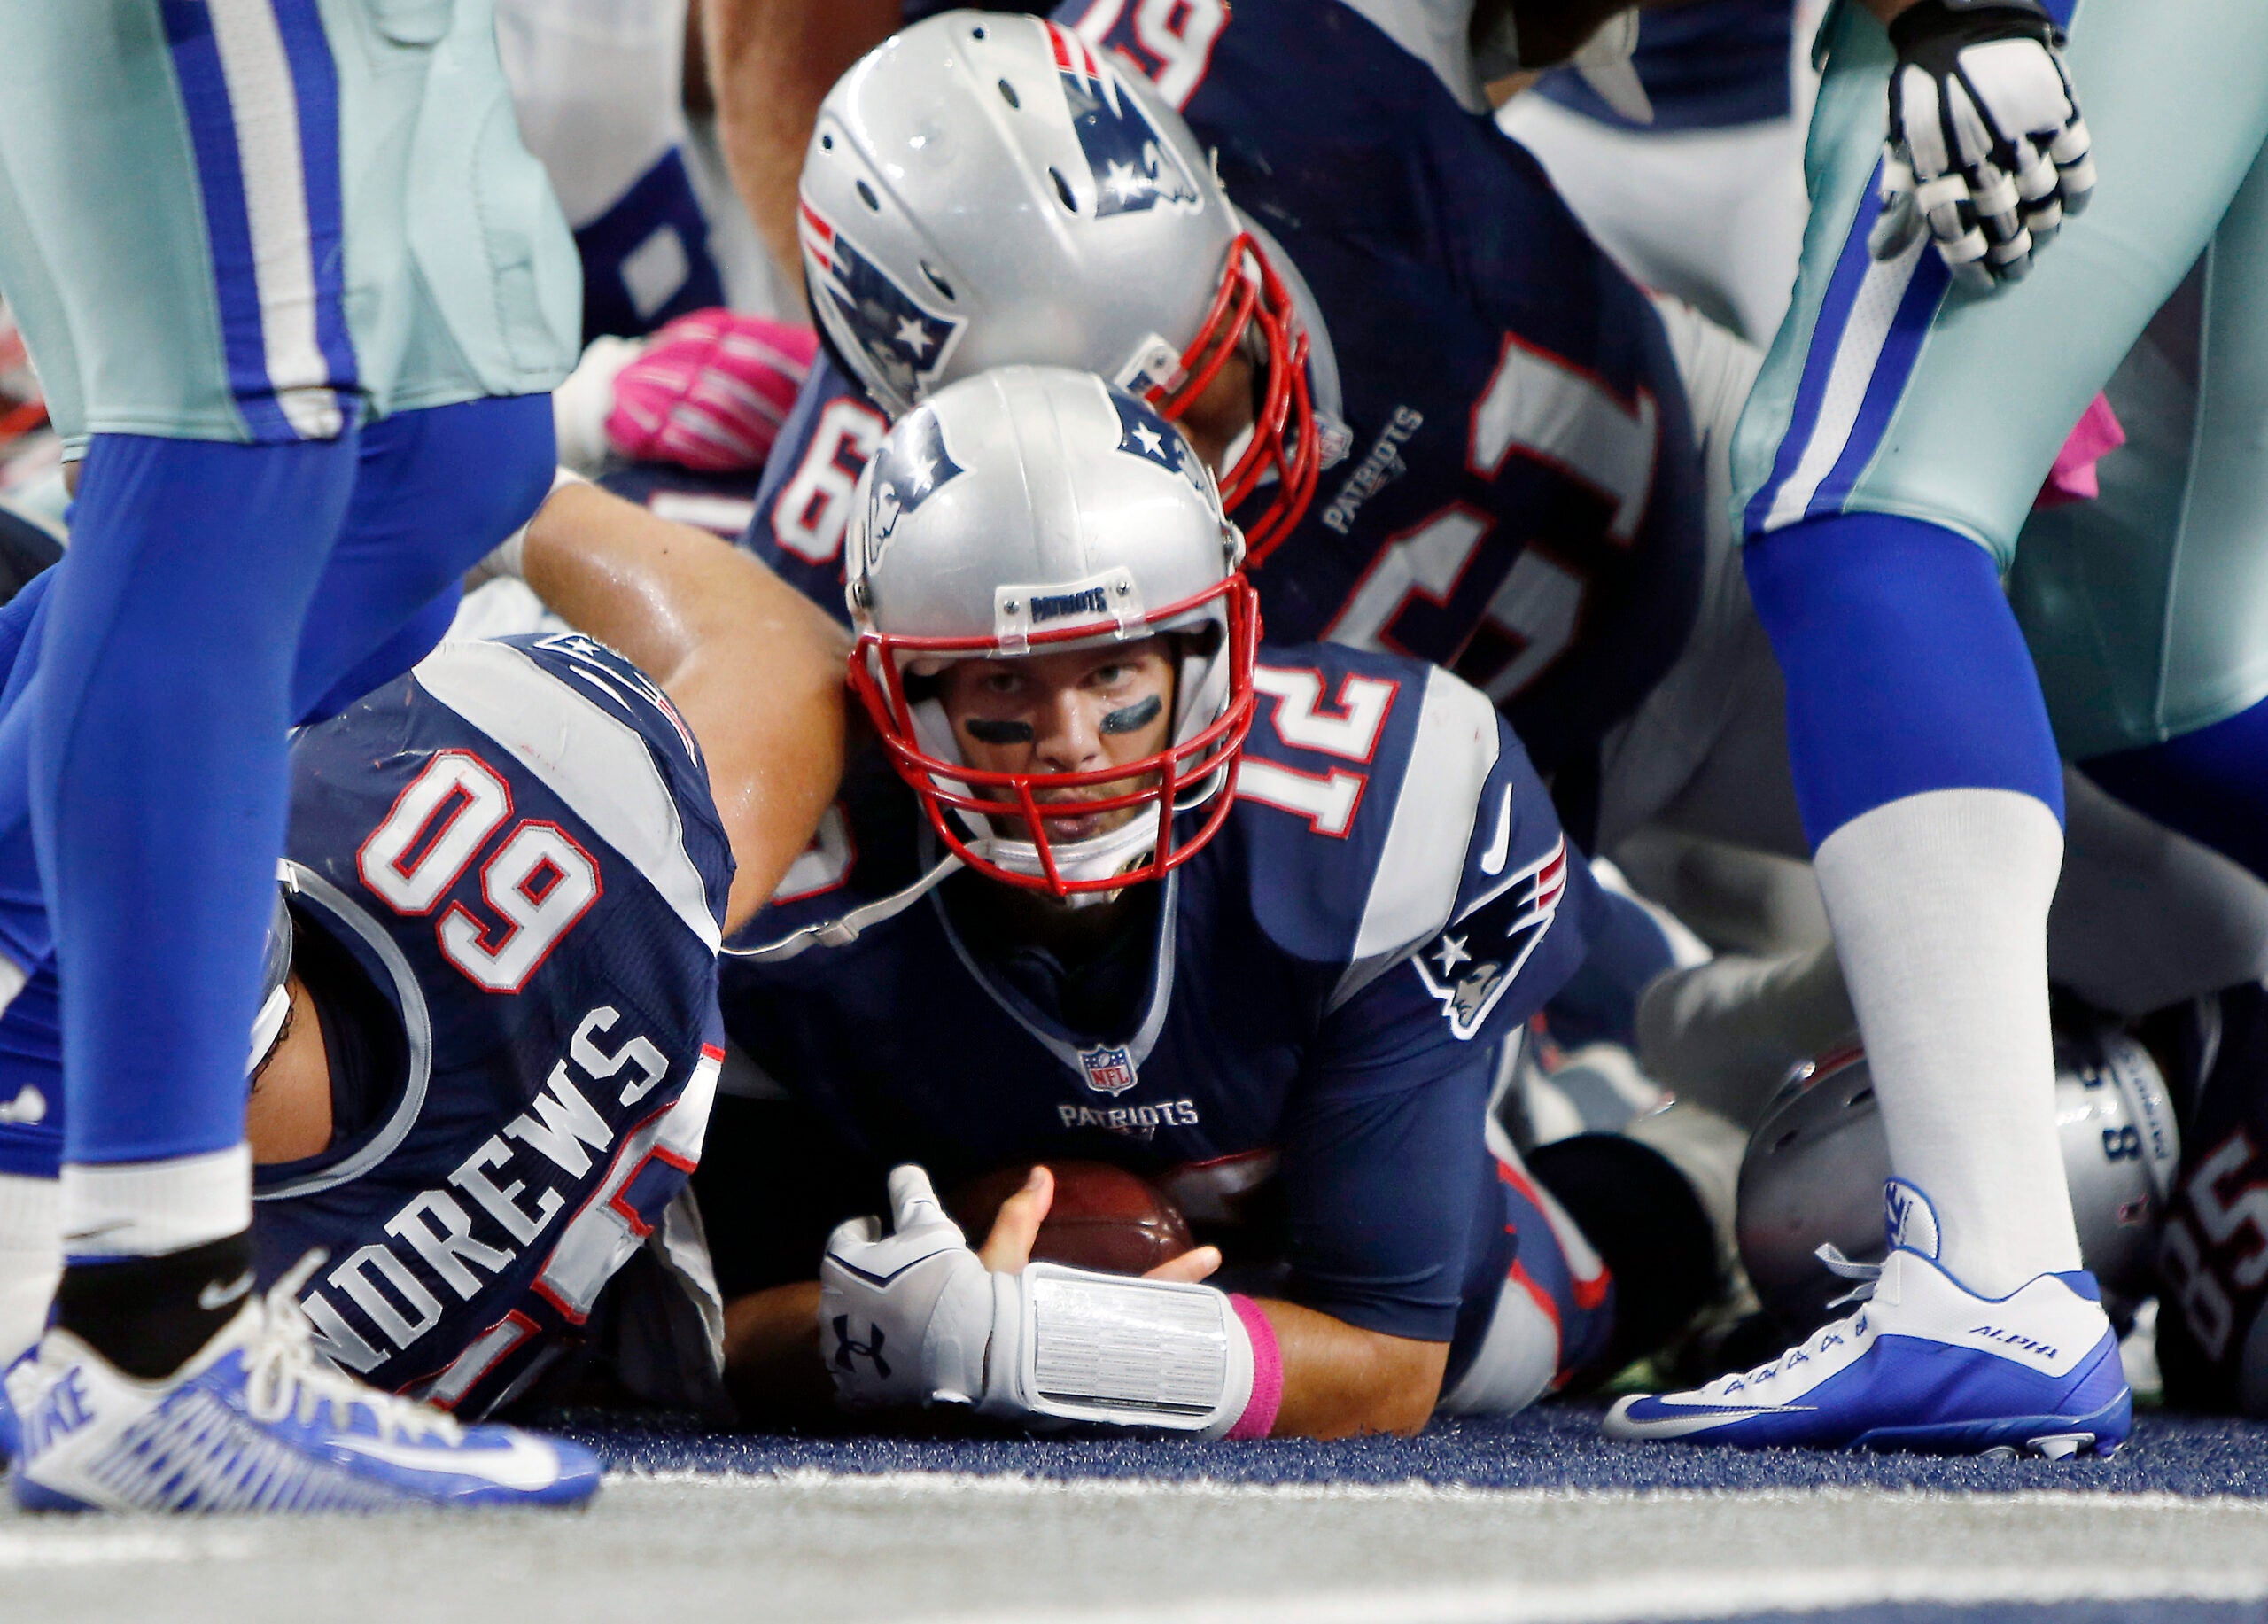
<point>1070,1346</point>
<point>580,406</point>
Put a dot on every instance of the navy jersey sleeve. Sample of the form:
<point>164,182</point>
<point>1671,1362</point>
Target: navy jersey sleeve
<point>1383,1169</point>
<point>804,505</point>
<point>1474,912</point>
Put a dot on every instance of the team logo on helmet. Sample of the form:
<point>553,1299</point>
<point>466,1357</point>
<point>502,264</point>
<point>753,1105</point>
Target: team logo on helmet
<point>1143,433</point>
<point>906,341</point>
<point>1133,167</point>
<point>913,467</point>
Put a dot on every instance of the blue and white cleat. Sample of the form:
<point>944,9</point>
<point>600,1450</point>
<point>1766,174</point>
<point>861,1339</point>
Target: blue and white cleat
<point>257,1422</point>
<point>1924,1364</point>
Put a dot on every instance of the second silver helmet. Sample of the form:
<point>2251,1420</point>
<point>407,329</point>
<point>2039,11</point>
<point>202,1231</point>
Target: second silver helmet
<point>1816,1164</point>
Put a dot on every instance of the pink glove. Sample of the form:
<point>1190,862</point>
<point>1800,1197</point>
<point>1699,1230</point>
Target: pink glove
<point>2073,476</point>
<point>710,391</point>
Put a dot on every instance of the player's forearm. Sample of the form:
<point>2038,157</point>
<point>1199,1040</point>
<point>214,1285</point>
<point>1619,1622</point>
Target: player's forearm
<point>754,667</point>
<point>770,63</point>
<point>772,1366</point>
<point>1340,1380</point>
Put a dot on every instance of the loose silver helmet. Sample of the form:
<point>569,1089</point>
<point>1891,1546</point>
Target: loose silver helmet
<point>1034,509</point>
<point>1816,1164</point>
<point>984,190</point>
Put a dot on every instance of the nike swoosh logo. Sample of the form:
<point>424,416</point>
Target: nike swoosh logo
<point>214,1295</point>
<point>523,1463</point>
<point>1715,1406</point>
<point>1492,860</point>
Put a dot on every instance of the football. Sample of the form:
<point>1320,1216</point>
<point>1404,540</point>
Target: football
<point>1104,1217</point>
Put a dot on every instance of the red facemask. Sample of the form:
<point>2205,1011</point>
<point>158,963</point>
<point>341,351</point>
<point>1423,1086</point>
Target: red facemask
<point>1010,800</point>
<point>1285,440</point>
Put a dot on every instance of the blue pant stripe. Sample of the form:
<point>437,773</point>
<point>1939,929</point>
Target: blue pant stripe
<point>215,135</point>
<point>228,226</point>
<point>1811,392</point>
<point>315,77</point>
<point>1901,350</point>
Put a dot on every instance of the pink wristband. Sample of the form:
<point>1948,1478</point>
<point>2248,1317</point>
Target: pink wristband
<point>1267,1371</point>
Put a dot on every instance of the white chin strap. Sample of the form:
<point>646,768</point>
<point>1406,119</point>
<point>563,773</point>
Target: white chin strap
<point>1098,857</point>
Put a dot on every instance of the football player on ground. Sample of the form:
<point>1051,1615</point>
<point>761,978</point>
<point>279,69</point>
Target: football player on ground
<point>1514,489</point>
<point>491,1038</point>
<point>1886,461</point>
<point>1121,883</point>
<point>1519,406</point>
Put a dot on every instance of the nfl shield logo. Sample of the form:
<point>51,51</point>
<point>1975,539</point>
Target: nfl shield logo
<point>1109,1071</point>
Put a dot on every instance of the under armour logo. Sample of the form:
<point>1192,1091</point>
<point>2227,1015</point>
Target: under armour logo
<point>847,1348</point>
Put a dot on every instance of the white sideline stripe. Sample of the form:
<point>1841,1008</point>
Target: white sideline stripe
<point>1856,352</point>
<point>265,106</point>
<point>1685,1595</point>
<point>596,764</point>
<point>52,1546</point>
<point>1015,1484</point>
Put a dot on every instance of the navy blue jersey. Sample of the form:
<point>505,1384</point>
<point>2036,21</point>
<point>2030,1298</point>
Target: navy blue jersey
<point>1706,64</point>
<point>1311,1002</point>
<point>1523,501</point>
<point>516,846</point>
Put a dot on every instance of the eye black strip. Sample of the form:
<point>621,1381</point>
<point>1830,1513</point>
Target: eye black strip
<point>984,730</point>
<point>1134,718</point>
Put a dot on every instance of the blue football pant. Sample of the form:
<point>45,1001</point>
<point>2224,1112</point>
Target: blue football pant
<point>172,656</point>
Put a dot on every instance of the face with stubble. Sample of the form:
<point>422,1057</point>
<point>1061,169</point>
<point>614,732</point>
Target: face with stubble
<point>1082,710</point>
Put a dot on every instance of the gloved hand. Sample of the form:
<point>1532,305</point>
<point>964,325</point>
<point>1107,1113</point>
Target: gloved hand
<point>1987,150</point>
<point>710,391</point>
<point>904,1317</point>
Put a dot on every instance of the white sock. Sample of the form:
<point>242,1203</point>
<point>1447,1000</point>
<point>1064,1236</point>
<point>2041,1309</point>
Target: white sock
<point>149,1208</point>
<point>1940,903</point>
<point>31,1258</point>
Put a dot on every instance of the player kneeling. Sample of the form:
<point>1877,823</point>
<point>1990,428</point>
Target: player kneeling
<point>489,1045</point>
<point>1122,885</point>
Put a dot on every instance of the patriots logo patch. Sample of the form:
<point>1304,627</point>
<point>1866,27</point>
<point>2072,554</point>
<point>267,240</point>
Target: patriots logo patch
<point>1133,167</point>
<point>907,341</point>
<point>1108,1070</point>
<point>1478,959</point>
<point>913,466</point>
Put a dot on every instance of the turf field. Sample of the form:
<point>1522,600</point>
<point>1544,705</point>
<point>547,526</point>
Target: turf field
<point>1530,1519</point>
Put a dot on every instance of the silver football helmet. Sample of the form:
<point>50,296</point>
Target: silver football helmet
<point>1036,509</point>
<point>1816,1164</point>
<point>982,190</point>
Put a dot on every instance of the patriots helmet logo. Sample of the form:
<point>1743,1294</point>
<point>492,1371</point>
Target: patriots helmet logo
<point>913,467</point>
<point>1108,1070</point>
<point>1476,960</point>
<point>1133,167</point>
<point>907,342</point>
<point>1143,433</point>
